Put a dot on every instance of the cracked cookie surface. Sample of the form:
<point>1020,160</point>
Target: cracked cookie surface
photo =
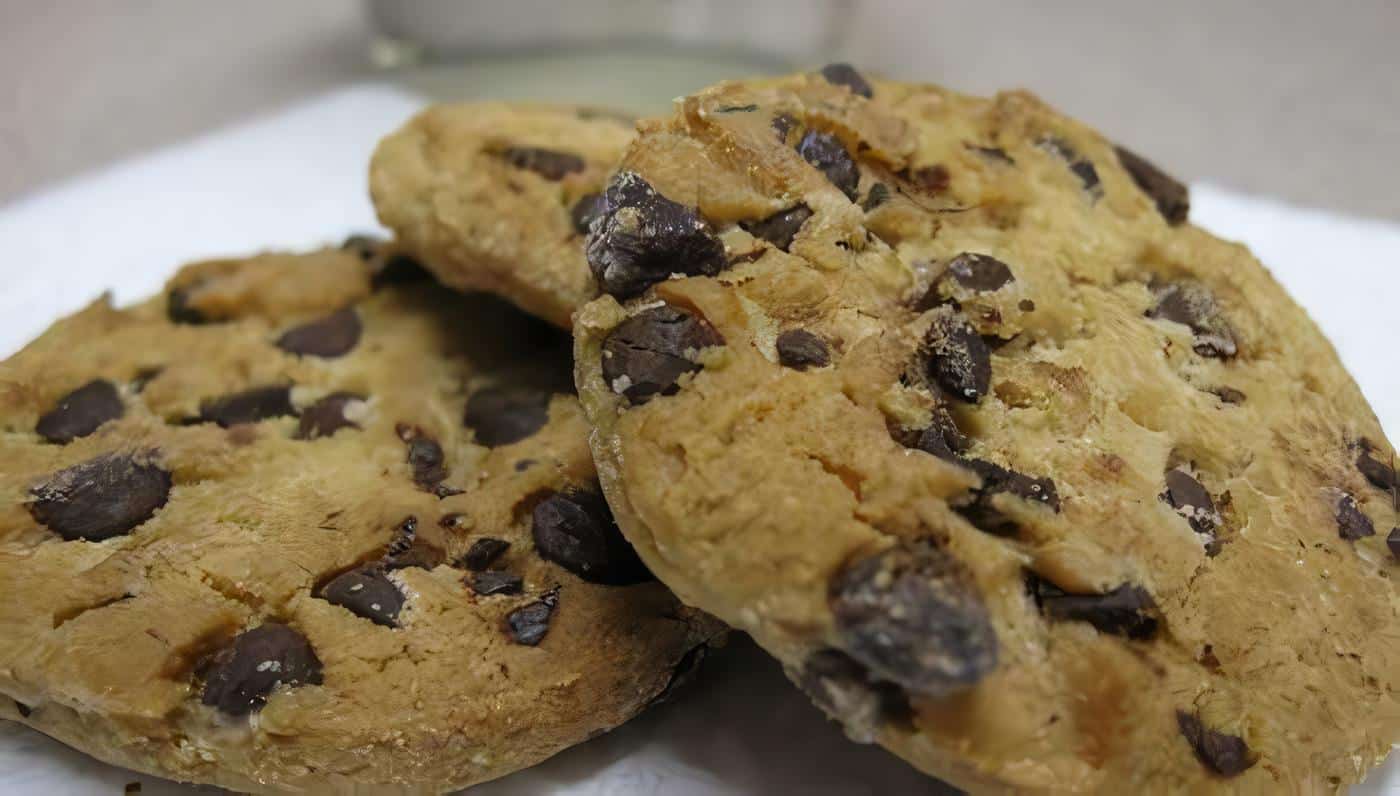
<point>1018,473</point>
<point>276,530</point>
<point>498,196</point>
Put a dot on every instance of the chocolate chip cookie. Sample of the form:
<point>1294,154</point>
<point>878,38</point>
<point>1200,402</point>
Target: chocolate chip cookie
<point>496,196</point>
<point>313,523</point>
<point>1019,474</point>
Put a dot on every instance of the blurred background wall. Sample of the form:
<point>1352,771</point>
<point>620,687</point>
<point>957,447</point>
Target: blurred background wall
<point>1290,98</point>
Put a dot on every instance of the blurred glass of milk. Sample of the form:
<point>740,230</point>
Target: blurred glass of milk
<point>630,54</point>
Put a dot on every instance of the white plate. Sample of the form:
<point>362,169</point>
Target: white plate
<point>298,179</point>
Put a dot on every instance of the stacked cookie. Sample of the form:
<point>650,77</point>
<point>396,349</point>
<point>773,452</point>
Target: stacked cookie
<point>939,398</point>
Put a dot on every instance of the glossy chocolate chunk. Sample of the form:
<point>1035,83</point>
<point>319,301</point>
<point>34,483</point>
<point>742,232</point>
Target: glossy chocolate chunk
<point>1127,610</point>
<point>100,498</point>
<point>780,228</point>
<point>81,412</point>
<point>981,273</point>
<point>958,359</point>
<point>248,406</point>
<point>1226,755</point>
<point>483,553</point>
<point>799,349</point>
<point>576,530</point>
<point>1171,197</point>
<point>843,74</point>
<point>647,354</point>
<point>366,592</point>
<point>982,511</point>
<point>502,415</point>
<point>491,582</point>
<point>585,210</point>
<point>329,337</point>
<point>243,674</point>
<point>1352,524</point>
<point>529,623</point>
<point>826,153</point>
<point>548,163</point>
<point>1191,304</point>
<point>1191,500</point>
<point>328,415</point>
<point>643,238</point>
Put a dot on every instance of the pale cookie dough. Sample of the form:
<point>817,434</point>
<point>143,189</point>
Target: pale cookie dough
<point>497,196</point>
<point>1019,474</point>
<point>312,523</point>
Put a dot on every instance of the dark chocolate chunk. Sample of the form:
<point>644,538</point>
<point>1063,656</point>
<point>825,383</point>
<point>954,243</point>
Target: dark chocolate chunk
<point>800,349</point>
<point>842,687</point>
<point>931,180</point>
<point>548,163</point>
<point>1393,542</point>
<point>843,74</point>
<point>642,238</point>
<point>783,124</point>
<point>1191,500</point>
<point>1081,166</point>
<point>100,498</point>
<point>780,228</point>
<point>1127,610</point>
<point>178,308</point>
<point>736,108</point>
<point>24,710</point>
<point>1191,304</point>
<point>1171,197</point>
<point>1380,474</point>
<point>243,674</point>
<point>878,194</point>
<point>983,513</point>
<point>913,616</point>
<point>248,406</point>
<point>576,530</point>
<point>1352,524</point>
<point>959,360</point>
<point>328,337</point>
<point>1226,755</point>
<point>495,582</point>
<point>1229,395</point>
<point>502,415</point>
<point>825,152</point>
<point>585,210</point>
<point>648,353</point>
<point>529,623</point>
<point>428,462</point>
<point>366,592</point>
<point>399,269</point>
<point>683,673</point>
<point>327,416</point>
<point>407,550</point>
<point>483,553</point>
<point>982,273</point>
<point>940,437</point>
<point>80,412</point>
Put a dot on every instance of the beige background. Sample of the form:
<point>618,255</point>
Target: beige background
<point>1290,98</point>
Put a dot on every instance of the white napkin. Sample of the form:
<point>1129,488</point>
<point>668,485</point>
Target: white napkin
<point>297,179</point>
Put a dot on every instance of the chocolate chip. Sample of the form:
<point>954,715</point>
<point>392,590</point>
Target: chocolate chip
<point>399,269</point>
<point>1025,305</point>
<point>993,153</point>
<point>502,415</point>
<point>879,194</point>
<point>491,582</point>
<point>982,512</point>
<point>981,273</point>
<point>368,593</point>
<point>1229,395</point>
<point>1191,304</point>
<point>548,163</point>
<point>576,530</point>
<point>736,109</point>
<point>364,246</point>
<point>585,210</point>
<point>683,673</point>
<point>648,353</point>
<point>780,228</point>
<point>1171,197</point>
<point>24,710</point>
<point>824,151</point>
<point>799,349</point>
<point>940,437</point>
<point>959,360</point>
<point>407,550</point>
<point>842,687</point>
<point>100,498</point>
<point>244,673</point>
<point>1393,542</point>
<point>483,553</point>
<point>842,74</point>
<point>178,308</point>
<point>248,406</point>
<point>1352,524</point>
<point>783,124</point>
<point>427,461</point>
<point>643,238</point>
<point>912,615</point>
<point>327,416</point>
<point>328,337</point>
<point>931,180</point>
<point>1226,755</point>
<point>1127,610</point>
<point>529,623</point>
<point>1191,500</point>
<point>1380,474</point>
<point>81,412</point>
<point>1082,167</point>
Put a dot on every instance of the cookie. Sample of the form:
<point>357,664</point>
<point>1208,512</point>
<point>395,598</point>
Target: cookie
<point>1017,472</point>
<point>313,523</point>
<point>497,197</point>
